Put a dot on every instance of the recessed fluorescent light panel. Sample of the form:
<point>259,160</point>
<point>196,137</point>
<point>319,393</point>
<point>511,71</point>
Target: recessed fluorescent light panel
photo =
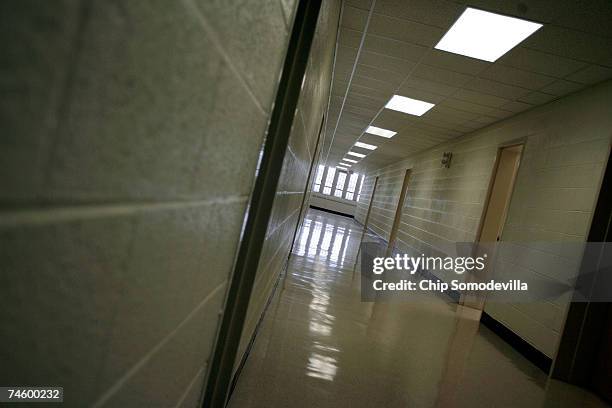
<point>380,132</point>
<point>356,154</point>
<point>350,160</point>
<point>484,35</point>
<point>365,146</point>
<point>408,105</point>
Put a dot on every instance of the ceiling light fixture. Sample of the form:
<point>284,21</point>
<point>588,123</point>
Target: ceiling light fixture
<point>356,154</point>
<point>380,132</point>
<point>484,35</point>
<point>350,160</point>
<point>365,146</point>
<point>408,105</point>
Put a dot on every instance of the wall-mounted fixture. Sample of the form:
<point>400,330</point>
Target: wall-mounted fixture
<point>446,159</point>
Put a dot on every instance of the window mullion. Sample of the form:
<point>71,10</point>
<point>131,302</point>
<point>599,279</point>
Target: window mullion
<point>323,178</point>
<point>333,189</point>
<point>347,185</point>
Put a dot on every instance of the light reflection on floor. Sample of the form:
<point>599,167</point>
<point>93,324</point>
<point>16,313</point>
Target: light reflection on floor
<point>320,346</point>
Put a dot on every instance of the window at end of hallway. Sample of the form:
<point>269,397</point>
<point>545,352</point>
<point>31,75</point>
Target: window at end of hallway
<point>318,178</point>
<point>337,183</point>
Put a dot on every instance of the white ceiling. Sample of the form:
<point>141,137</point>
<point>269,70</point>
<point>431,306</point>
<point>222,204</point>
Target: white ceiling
<point>572,51</point>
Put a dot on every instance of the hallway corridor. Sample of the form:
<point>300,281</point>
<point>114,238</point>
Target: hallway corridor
<point>184,187</point>
<point>320,346</point>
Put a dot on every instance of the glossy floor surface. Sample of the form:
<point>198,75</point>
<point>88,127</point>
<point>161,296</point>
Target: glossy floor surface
<point>320,346</point>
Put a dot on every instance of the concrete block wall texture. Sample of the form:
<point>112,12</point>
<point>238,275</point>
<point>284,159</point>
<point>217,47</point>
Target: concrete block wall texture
<point>567,143</point>
<point>131,135</point>
<point>301,152</point>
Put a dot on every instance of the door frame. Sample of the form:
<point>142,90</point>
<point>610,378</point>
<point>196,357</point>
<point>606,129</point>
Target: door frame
<point>367,218</point>
<point>365,221</point>
<point>478,303</point>
<point>398,212</point>
<point>485,208</point>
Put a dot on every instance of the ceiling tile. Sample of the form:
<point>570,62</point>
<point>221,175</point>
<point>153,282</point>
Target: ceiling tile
<point>362,4</point>
<point>345,55</point>
<point>377,100</point>
<point>607,61</point>
<point>591,74</point>
<point>496,88</point>
<point>374,83</point>
<point>386,62</point>
<point>339,88</point>
<point>371,139</point>
<point>478,124</point>
<point>517,77</point>
<point>393,48</point>
<point>349,38</point>
<point>540,62</point>
<point>413,134</point>
<point>508,8</point>
<point>454,113</point>
<point>342,75</point>
<point>374,93</point>
<point>430,86</point>
<point>499,113</point>
<point>590,16</point>
<point>372,71</point>
<point>420,94</point>
<point>516,107</point>
<point>467,127</point>
<point>562,87</point>
<point>442,120</point>
<point>404,30</point>
<point>357,112</point>
<point>439,13</point>
<point>466,106</point>
<point>441,75</point>
<point>343,67</point>
<point>480,98</point>
<point>362,102</point>
<point>455,62</point>
<point>435,130</point>
<point>390,119</point>
<point>351,128</point>
<point>570,43</point>
<point>537,98</point>
<point>354,18</point>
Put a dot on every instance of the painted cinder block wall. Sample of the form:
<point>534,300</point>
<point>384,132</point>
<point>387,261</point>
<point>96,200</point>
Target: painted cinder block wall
<point>567,143</point>
<point>301,152</point>
<point>130,137</point>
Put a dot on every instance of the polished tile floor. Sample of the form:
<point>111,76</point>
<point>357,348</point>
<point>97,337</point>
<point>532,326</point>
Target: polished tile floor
<point>320,346</point>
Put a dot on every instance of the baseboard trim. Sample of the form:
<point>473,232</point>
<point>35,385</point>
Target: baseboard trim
<point>249,347</point>
<point>314,207</point>
<point>539,359</point>
<point>535,356</point>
